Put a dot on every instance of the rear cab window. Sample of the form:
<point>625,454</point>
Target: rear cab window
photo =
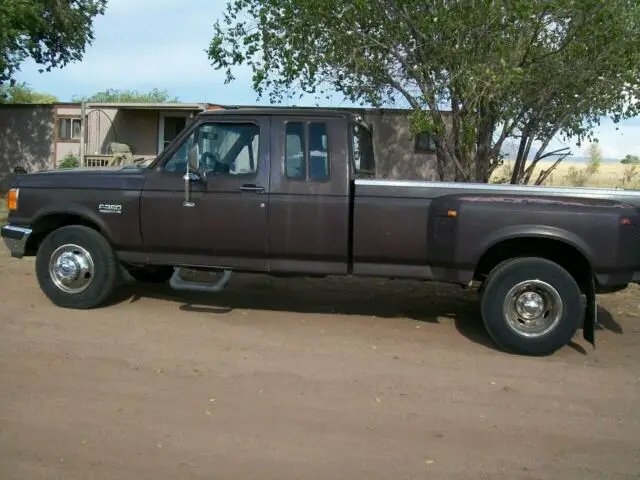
<point>307,151</point>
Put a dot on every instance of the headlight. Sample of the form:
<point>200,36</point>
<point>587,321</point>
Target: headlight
<point>12,199</point>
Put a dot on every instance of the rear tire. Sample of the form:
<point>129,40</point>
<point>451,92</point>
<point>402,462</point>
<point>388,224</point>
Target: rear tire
<point>531,306</point>
<point>76,267</point>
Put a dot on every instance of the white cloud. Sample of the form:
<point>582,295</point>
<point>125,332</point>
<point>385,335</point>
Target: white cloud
<point>146,44</point>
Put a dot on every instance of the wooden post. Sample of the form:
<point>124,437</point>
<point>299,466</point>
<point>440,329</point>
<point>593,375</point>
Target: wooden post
<point>82,130</point>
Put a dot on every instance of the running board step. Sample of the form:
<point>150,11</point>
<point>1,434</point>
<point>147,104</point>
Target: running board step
<point>178,283</point>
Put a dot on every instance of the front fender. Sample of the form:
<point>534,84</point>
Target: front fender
<point>72,209</point>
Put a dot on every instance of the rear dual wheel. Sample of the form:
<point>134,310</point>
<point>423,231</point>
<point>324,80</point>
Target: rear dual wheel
<point>531,306</point>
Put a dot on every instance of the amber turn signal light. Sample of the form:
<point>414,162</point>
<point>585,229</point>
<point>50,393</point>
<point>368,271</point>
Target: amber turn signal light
<point>12,199</point>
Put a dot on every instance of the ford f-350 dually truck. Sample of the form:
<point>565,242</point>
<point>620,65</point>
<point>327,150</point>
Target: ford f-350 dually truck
<point>278,191</point>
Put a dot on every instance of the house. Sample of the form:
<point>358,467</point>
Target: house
<point>144,129</point>
<point>39,137</point>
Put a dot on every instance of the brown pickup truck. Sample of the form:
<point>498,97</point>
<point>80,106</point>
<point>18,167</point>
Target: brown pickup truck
<point>280,191</point>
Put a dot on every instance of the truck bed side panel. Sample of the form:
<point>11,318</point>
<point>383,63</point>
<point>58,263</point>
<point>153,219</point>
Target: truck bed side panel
<point>440,232</point>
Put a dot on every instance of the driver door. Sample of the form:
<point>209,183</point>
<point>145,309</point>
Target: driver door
<point>224,223</point>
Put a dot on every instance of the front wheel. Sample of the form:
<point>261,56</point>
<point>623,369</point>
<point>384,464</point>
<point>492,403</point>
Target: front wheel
<point>531,306</point>
<point>76,267</point>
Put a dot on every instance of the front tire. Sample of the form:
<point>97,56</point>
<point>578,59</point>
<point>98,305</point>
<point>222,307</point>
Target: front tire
<point>531,306</point>
<point>76,267</point>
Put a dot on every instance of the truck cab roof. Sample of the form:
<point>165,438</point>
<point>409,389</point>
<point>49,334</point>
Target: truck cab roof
<point>289,111</point>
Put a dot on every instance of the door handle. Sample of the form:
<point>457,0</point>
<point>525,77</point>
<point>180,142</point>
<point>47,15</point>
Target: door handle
<point>252,188</point>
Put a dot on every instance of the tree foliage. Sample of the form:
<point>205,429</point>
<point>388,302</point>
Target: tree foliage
<point>51,32</point>
<point>128,96</point>
<point>475,72</point>
<point>630,160</point>
<point>23,93</point>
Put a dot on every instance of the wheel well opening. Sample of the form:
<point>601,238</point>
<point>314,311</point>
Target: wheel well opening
<point>48,224</point>
<point>565,255</point>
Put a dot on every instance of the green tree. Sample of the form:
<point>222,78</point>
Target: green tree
<point>51,32</point>
<point>630,160</point>
<point>474,72</point>
<point>128,96</point>
<point>22,93</point>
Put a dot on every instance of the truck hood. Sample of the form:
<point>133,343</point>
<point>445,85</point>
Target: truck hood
<point>129,177</point>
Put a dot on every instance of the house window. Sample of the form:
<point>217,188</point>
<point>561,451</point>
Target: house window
<point>425,143</point>
<point>68,129</point>
<point>306,145</point>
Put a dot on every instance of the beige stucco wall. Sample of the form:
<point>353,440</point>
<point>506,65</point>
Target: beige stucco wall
<point>66,148</point>
<point>26,139</point>
<point>139,129</point>
<point>394,151</point>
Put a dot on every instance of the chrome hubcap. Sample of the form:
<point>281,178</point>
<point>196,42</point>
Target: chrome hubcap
<point>533,308</point>
<point>71,268</point>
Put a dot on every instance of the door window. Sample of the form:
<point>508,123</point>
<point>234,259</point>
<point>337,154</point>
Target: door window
<point>222,149</point>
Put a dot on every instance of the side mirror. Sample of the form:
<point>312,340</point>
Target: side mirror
<point>193,174</point>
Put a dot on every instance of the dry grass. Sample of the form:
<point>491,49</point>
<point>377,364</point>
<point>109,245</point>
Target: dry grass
<point>611,175</point>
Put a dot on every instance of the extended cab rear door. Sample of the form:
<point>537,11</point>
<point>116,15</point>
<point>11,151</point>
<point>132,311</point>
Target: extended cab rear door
<point>309,195</point>
<point>225,223</point>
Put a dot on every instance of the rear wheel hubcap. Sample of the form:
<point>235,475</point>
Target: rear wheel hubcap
<point>533,308</point>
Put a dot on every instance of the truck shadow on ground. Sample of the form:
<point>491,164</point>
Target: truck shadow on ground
<point>419,301</point>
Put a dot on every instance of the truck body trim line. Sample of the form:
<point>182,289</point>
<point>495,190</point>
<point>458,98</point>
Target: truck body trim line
<point>571,191</point>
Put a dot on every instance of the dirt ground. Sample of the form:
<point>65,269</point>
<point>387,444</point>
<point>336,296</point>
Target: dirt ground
<point>309,379</point>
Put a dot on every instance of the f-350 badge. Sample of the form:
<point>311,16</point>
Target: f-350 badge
<point>109,208</point>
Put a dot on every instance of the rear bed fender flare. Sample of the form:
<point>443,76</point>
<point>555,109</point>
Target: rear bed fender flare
<point>515,232</point>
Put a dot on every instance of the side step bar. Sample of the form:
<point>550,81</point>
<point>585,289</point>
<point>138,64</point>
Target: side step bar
<point>177,283</point>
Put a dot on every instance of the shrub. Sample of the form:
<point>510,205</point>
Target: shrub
<point>69,161</point>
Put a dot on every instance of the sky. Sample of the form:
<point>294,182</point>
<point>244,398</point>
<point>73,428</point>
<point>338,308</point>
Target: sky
<point>146,44</point>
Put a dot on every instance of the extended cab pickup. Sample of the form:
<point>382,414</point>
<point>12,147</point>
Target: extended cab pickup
<point>279,191</point>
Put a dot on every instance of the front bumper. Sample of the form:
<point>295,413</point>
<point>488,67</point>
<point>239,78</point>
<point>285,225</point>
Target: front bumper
<point>15,238</point>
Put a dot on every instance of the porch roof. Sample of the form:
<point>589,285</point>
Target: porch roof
<point>147,106</point>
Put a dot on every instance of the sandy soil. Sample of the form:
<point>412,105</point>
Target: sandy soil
<point>278,379</point>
